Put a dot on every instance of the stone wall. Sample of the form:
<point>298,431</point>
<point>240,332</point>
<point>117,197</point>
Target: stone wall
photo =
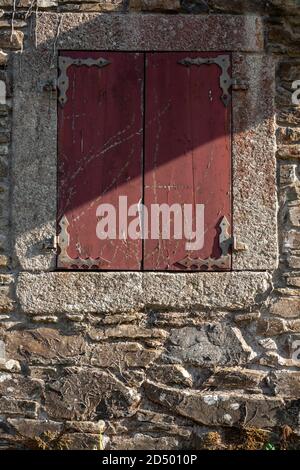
<point>209,363</point>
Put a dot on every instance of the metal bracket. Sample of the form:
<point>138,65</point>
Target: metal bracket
<point>63,242</point>
<point>223,61</point>
<point>49,245</point>
<point>49,85</point>
<point>237,84</point>
<point>64,63</point>
<point>238,246</point>
<point>225,242</point>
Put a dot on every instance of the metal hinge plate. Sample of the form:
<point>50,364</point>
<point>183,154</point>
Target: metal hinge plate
<point>49,244</point>
<point>223,61</point>
<point>64,260</point>
<point>226,244</point>
<point>64,63</point>
<point>226,82</point>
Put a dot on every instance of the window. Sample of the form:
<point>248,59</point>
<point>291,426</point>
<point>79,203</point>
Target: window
<point>144,170</point>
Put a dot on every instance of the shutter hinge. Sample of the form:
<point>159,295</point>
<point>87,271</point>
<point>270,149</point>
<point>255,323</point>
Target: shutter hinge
<point>63,80</point>
<point>49,244</point>
<point>237,84</point>
<point>238,246</point>
<point>49,85</point>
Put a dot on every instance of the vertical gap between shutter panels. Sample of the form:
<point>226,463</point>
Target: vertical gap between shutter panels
<point>143,154</point>
<point>231,161</point>
<point>58,195</point>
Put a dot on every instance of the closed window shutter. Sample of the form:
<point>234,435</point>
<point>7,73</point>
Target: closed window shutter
<point>154,128</point>
<point>100,145</point>
<point>188,154</point>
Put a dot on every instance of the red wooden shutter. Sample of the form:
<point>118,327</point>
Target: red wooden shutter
<point>100,142</point>
<point>188,153</point>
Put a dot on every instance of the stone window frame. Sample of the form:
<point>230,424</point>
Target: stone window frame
<point>34,139</point>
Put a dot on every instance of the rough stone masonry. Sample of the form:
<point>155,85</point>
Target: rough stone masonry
<point>121,361</point>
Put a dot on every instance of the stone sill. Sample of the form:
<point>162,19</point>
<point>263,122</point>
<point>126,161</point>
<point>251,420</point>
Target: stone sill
<point>90,292</point>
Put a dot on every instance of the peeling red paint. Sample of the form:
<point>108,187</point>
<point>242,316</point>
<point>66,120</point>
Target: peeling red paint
<point>187,151</point>
<point>100,153</point>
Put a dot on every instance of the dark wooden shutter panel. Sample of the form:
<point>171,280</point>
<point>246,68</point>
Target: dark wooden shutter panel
<point>100,143</point>
<point>188,153</point>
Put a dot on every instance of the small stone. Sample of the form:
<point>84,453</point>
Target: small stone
<point>6,303</point>
<point>235,379</point>
<point>197,6</point>
<point>45,319</point>
<point>4,136</point>
<point>32,428</point>
<point>246,317</point>
<point>273,359</point>
<point>271,327</point>
<point>294,262</point>
<point>289,116</point>
<point>285,383</point>
<point>291,241</point>
<point>155,5</point>
<point>293,326</point>
<point>209,408</point>
<point>3,168</point>
<point>141,441</point>
<point>6,279</point>
<point>208,345</point>
<point>47,3</point>
<point>74,317</point>
<point>288,174</point>
<point>15,386</point>
<point>149,421</point>
<point>2,350</point>
<point>10,365</point>
<point>286,307</point>
<point>4,150</point>
<point>289,71</point>
<point>11,40</point>
<point>293,280</point>
<point>92,5</point>
<point>83,441</point>
<point>288,152</point>
<point>134,331</point>
<point>17,24</point>
<point>236,6</point>
<point>294,215</point>
<point>4,261</point>
<point>288,135</point>
<point>3,58</point>
<point>268,344</point>
<point>171,374</point>
<point>85,426</point>
<point>93,394</point>
<point>11,406</point>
